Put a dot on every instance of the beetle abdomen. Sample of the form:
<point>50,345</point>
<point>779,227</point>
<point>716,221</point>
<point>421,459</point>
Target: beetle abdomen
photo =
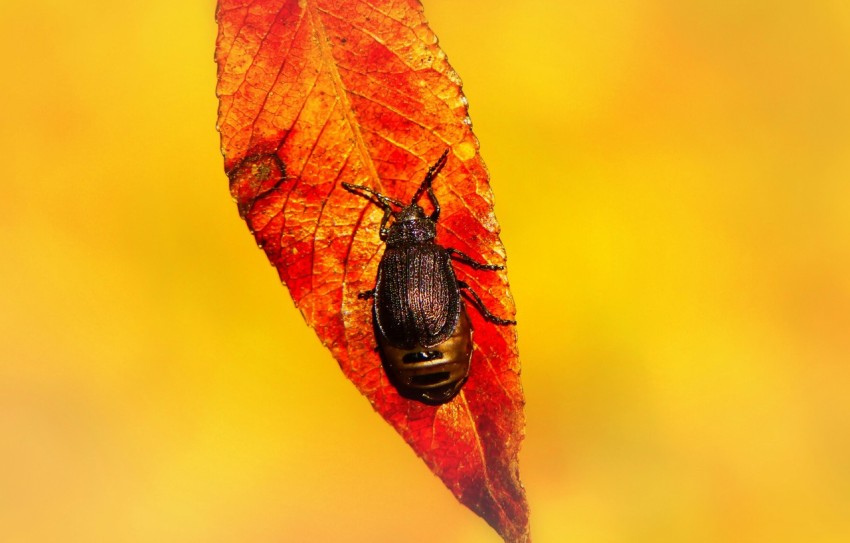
<point>416,296</point>
<point>433,375</point>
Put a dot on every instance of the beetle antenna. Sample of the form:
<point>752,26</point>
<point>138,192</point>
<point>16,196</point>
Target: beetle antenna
<point>383,201</point>
<point>433,171</point>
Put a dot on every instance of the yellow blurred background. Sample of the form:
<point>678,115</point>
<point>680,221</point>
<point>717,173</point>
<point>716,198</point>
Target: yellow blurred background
<point>673,183</point>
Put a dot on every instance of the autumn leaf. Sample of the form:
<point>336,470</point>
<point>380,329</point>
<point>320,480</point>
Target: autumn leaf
<point>314,93</point>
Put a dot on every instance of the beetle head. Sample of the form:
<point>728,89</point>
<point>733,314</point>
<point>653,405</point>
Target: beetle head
<point>410,213</point>
<point>411,225</point>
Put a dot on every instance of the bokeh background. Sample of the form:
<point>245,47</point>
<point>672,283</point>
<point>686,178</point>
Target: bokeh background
<point>673,183</point>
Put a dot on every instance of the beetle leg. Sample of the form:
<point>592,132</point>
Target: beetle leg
<point>481,307</point>
<point>384,202</point>
<point>433,171</point>
<point>436,213</point>
<point>466,259</point>
<point>385,232</point>
<point>366,294</point>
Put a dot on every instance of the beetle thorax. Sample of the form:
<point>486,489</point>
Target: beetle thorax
<point>411,226</point>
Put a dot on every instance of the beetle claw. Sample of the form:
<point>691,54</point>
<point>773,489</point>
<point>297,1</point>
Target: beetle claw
<point>474,264</point>
<point>476,301</point>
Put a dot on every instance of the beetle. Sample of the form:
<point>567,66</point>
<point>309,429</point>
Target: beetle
<point>421,325</point>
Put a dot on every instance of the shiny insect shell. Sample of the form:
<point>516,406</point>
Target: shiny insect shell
<point>421,325</point>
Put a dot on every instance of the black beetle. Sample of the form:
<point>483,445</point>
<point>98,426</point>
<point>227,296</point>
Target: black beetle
<point>421,325</point>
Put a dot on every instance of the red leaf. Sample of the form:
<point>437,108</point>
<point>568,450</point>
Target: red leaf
<point>314,93</point>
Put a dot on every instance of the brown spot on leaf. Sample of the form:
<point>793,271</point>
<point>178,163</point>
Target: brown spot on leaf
<point>254,177</point>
